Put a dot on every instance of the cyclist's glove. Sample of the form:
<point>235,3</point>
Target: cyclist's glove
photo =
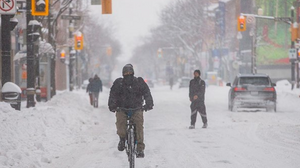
<point>147,107</point>
<point>112,109</point>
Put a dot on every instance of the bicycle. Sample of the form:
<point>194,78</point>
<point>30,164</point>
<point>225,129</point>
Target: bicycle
<point>131,141</point>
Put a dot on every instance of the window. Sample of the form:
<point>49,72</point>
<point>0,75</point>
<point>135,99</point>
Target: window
<point>254,81</point>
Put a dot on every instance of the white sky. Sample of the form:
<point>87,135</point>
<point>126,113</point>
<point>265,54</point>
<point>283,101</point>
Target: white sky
<point>132,19</point>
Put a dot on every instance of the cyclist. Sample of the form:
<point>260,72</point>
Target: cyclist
<point>130,92</point>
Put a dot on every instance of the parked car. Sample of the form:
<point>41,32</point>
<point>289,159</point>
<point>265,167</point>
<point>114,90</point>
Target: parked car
<point>252,91</point>
<point>149,83</point>
<point>184,82</point>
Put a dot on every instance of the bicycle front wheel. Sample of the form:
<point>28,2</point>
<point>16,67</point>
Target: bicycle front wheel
<point>131,148</point>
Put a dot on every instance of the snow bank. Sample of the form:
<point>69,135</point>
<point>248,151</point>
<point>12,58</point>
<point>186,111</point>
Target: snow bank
<point>35,136</point>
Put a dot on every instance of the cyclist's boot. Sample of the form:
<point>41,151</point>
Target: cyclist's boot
<point>204,125</point>
<point>140,154</point>
<point>121,145</point>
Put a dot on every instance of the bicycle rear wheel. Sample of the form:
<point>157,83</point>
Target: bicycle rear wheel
<point>131,148</point>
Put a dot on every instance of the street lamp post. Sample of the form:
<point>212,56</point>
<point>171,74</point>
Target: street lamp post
<point>71,67</point>
<point>297,65</point>
<point>32,36</point>
<point>8,24</point>
<point>253,33</point>
<point>70,50</point>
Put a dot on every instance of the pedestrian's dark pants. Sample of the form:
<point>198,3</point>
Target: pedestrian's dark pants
<point>202,111</point>
<point>95,98</point>
<point>91,98</point>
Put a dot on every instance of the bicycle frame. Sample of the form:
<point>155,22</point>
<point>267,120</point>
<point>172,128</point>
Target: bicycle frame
<point>131,141</point>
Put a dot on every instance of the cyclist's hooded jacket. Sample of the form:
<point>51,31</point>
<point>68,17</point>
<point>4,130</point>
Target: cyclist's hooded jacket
<point>129,92</point>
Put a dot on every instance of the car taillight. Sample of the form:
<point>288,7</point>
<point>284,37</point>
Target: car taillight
<point>269,89</point>
<point>237,89</point>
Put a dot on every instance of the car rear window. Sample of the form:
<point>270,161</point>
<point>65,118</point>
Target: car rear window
<point>254,81</point>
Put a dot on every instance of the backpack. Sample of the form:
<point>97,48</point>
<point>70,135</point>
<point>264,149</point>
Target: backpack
<point>131,95</point>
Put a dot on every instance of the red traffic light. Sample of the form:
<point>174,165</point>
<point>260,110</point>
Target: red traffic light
<point>78,41</point>
<point>62,54</point>
<point>78,38</point>
<point>241,23</point>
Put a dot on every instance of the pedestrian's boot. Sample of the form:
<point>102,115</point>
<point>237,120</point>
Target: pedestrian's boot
<point>121,145</point>
<point>140,154</point>
<point>204,125</point>
<point>192,127</point>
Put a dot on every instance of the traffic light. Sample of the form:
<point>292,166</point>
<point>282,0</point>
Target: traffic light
<point>78,41</point>
<point>62,55</point>
<point>40,7</point>
<point>159,53</point>
<point>294,31</point>
<point>108,51</point>
<point>241,23</point>
<point>106,7</point>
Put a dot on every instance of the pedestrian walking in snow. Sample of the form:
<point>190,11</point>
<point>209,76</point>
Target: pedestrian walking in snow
<point>197,97</point>
<point>88,90</point>
<point>96,88</point>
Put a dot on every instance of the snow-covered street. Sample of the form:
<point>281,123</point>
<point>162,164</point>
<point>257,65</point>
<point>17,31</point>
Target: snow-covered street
<point>67,132</point>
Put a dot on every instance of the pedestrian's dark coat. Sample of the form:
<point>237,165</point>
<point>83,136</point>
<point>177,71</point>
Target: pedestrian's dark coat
<point>197,87</point>
<point>129,92</point>
<point>96,85</point>
<point>88,88</point>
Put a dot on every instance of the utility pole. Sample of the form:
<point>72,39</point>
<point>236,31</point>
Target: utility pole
<point>254,44</point>
<point>70,49</point>
<point>292,46</point>
<point>5,48</point>
<point>76,66</point>
<point>52,62</point>
<point>297,65</point>
<point>30,60</point>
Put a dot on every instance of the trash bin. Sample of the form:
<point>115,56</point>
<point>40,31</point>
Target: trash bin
<point>11,93</point>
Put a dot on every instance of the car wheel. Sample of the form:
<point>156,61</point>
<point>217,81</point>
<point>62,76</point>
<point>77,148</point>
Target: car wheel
<point>272,108</point>
<point>232,107</point>
<point>229,105</point>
